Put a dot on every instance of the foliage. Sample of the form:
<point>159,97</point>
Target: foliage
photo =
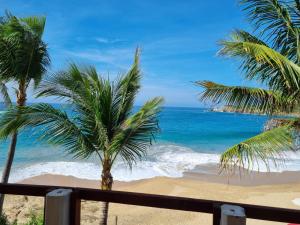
<point>4,220</point>
<point>23,59</point>
<point>35,219</point>
<point>103,121</point>
<point>270,56</point>
<point>23,54</point>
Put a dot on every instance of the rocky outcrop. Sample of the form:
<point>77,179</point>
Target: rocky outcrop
<point>232,109</point>
<point>273,123</point>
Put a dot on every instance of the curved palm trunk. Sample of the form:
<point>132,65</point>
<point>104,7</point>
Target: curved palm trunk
<point>7,168</point>
<point>21,100</point>
<point>106,184</point>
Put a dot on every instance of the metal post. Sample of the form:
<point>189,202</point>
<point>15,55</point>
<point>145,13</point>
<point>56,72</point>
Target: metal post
<point>57,207</point>
<point>75,210</point>
<point>216,214</point>
<point>232,215</point>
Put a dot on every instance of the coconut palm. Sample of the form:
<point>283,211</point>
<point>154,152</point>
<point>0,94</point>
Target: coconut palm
<point>23,58</point>
<point>102,122</point>
<point>274,64</point>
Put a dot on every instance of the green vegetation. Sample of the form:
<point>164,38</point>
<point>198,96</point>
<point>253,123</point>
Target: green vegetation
<point>4,220</point>
<point>34,219</point>
<point>275,64</point>
<point>23,58</point>
<point>103,122</point>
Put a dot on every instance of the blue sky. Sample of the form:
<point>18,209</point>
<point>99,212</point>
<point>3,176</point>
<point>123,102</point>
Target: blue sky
<point>178,40</point>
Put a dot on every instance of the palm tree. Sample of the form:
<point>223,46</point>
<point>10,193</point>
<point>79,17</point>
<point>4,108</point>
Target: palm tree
<point>275,64</point>
<point>23,58</point>
<point>102,122</point>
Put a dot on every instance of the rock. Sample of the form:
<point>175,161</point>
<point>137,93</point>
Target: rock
<point>276,122</point>
<point>273,123</point>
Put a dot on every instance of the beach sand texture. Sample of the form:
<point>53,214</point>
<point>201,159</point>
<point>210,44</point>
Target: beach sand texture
<point>278,195</point>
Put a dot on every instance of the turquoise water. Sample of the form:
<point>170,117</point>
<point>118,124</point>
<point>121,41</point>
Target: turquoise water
<point>206,131</point>
<point>196,128</point>
<point>189,137</point>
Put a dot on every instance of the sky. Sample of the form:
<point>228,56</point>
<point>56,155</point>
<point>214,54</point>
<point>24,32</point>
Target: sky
<point>178,41</point>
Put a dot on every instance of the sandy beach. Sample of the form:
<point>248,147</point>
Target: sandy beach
<point>271,189</point>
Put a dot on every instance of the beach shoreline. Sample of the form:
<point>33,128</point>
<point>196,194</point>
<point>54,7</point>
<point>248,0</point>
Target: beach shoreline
<point>204,173</point>
<point>279,190</point>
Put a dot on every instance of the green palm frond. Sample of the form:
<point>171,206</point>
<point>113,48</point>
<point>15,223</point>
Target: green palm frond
<point>274,63</point>
<point>265,147</point>
<point>64,85</point>
<point>23,54</point>
<point>263,63</point>
<point>54,126</point>
<point>276,20</point>
<point>9,61</point>
<point>133,138</point>
<point>36,24</point>
<point>127,88</point>
<point>247,99</point>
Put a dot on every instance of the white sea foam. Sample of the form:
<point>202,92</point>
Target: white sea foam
<point>163,160</point>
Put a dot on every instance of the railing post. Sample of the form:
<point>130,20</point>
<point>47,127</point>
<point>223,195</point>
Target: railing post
<point>57,207</point>
<point>75,209</point>
<point>216,214</point>
<point>232,215</point>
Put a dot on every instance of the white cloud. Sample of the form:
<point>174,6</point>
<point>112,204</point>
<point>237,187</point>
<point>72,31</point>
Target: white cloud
<point>114,58</point>
<point>108,41</point>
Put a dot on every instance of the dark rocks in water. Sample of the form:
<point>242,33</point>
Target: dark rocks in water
<point>275,122</point>
<point>232,109</point>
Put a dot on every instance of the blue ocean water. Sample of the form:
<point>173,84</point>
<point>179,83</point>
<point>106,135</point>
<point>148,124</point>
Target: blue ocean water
<point>188,137</point>
<point>207,131</point>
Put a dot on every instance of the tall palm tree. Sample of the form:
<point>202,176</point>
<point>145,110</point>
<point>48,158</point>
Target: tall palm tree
<point>102,123</point>
<point>275,64</point>
<point>23,58</point>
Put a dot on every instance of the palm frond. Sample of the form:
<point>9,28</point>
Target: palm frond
<point>36,24</point>
<point>24,56</point>
<point>273,63</point>
<point>54,126</point>
<point>265,147</point>
<point>137,132</point>
<point>274,19</point>
<point>102,122</point>
<point>247,99</point>
<point>263,63</point>
<point>67,85</point>
<point>9,59</point>
<point>126,89</point>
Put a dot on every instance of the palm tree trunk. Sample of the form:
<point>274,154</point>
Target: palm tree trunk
<point>7,168</point>
<point>21,100</point>
<point>106,184</point>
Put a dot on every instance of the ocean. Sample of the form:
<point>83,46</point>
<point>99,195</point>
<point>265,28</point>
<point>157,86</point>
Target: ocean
<point>189,137</point>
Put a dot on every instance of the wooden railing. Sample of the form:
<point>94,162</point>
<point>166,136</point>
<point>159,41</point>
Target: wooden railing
<point>150,200</point>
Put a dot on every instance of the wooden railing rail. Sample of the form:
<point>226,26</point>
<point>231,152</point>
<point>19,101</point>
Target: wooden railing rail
<point>158,201</point>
